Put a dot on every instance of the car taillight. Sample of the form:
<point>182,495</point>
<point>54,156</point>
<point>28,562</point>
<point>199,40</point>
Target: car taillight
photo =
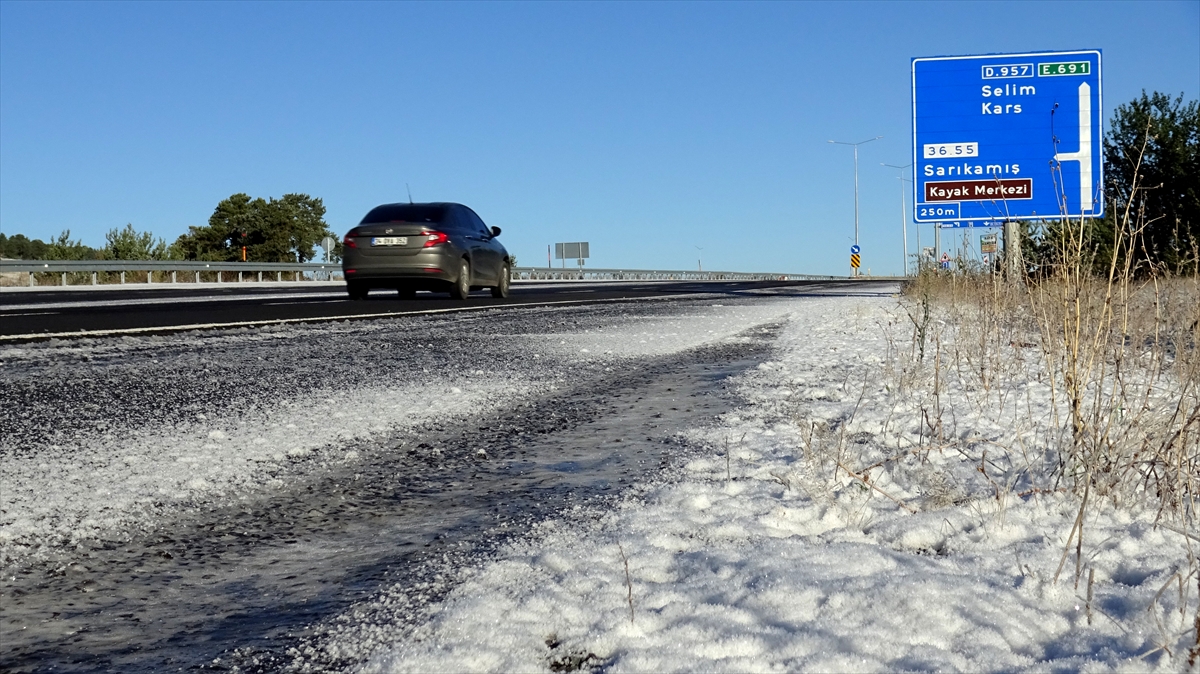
<point>435,238</point>
<point>348,242</point>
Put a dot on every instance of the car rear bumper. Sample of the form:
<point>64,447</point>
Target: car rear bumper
<point>426,268</point>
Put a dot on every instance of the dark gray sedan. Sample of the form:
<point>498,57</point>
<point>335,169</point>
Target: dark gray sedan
<point>411,247</point>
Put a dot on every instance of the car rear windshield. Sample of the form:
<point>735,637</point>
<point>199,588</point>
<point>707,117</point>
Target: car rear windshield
<point>405,213</point>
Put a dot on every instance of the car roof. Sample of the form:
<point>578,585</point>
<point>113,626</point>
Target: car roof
<point>421,203</point>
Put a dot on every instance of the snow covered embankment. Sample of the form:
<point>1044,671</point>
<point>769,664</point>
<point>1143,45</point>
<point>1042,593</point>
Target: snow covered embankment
<point>768,555</point>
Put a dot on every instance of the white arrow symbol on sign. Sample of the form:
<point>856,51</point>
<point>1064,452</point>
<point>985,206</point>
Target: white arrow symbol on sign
<point>1084,156</point>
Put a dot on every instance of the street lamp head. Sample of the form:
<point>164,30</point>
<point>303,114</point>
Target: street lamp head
<point>856,144</point>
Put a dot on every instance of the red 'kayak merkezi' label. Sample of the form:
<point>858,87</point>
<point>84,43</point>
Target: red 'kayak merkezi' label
<point>995,189</point>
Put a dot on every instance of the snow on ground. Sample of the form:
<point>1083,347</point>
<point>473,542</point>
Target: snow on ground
<point>657,335</point>
<point>109,481</point>
<point>764,555</point>
<point>107,484</point>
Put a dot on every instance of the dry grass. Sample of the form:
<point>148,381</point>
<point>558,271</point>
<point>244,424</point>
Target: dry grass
<point>1121,361</point>
<point>1118,350</point>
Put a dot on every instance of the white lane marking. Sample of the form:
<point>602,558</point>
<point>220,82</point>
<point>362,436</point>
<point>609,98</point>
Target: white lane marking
<point>319,319</point>
<point>283,304</point>
<point>34,313</point>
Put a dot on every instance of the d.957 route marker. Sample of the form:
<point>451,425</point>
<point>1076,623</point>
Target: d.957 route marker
<point>1007,137</point>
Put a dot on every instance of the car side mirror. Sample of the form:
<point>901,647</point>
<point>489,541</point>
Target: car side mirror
<point>495,231</point>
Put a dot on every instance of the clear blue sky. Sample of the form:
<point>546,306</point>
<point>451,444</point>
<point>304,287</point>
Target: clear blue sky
<point>649,130</point>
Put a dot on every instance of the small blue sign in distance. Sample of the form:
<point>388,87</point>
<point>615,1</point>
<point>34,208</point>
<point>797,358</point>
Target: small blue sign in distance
<point>854,250</point>
<point>1007,137</point>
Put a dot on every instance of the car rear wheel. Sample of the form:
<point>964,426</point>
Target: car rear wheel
<point>357,291</point>
<point>502,283</point>
<point>462,286</point>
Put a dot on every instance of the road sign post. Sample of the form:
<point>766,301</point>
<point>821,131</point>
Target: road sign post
<point>327,244</point>
<point>1007,137</point>
<point>1012,249</point>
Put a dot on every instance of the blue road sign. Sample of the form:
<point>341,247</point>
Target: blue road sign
<point>1007,137</point>
<point>854,250</point>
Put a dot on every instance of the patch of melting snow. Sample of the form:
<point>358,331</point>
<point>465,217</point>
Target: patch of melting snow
<point>49,499</point>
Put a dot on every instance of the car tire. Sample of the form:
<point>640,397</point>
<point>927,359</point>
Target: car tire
<point>502,283</point>
<point>357,291</point>
<point>462,285</point>
<point>406,292</point>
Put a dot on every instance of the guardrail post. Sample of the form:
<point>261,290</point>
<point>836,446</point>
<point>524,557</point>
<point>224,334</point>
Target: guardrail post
<point>172,276</point>
<point>122,277</point>
<point>94,281</point>
<point>239,276</point>
<point>64,277</point>
<point>260,276</point>
<point>197,277</point>
<point>218,276</point>
<point>149,277</point>
<point>31,283</point>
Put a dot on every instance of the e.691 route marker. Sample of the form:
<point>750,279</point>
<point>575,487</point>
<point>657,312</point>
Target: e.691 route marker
<point>1007,137</point>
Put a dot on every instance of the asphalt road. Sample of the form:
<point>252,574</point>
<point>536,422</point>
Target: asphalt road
<point>39,314</point>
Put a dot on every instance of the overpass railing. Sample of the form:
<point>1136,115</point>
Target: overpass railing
<point>36,273</point>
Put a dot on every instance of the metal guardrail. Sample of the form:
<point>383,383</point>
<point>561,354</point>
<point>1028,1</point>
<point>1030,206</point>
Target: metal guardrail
<point>547,274</point>
<point>170,271</point>
<point>192,272</point>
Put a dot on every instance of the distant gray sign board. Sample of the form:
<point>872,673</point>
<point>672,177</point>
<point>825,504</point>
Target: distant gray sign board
<point>571,251</point>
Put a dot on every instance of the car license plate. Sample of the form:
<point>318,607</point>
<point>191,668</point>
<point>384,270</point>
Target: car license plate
<point>389,241</point>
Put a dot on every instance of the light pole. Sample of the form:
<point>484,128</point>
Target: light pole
<point>855,146</point>
<point>903,209</point>
<point>699,258</point>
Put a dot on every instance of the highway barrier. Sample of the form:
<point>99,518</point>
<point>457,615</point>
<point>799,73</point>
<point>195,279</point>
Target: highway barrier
<point>45,273</point>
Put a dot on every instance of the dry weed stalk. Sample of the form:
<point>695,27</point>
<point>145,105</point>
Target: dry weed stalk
<point>628,581</point>
<point>867,481</point>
